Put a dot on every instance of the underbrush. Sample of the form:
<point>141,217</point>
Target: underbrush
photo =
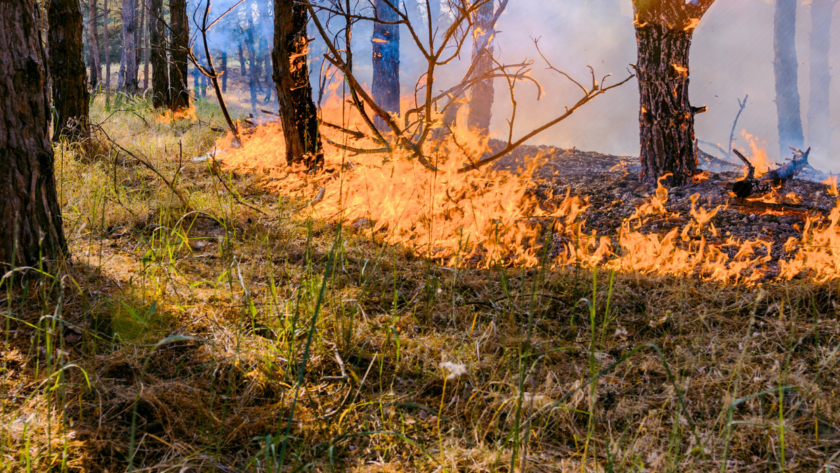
<point>204,325</point>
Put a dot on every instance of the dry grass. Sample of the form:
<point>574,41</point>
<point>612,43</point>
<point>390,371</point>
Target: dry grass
<point>183,339</point>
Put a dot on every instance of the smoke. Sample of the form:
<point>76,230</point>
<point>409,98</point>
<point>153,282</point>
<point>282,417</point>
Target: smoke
<point>731,56</point>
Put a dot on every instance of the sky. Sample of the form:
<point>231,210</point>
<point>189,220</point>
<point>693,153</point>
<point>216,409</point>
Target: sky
<point>731,56</point>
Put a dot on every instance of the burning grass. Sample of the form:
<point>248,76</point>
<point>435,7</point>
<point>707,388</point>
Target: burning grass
<point>186,340</point>
<point>494,217</point>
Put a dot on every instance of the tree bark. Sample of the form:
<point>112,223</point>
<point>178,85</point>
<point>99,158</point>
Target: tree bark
<point>298,114</point>
<point>179,23</point>
<point>140,37</point>
<point>95,67</point>
<point>69,77</point>
<point>31,232</point>
<point>144,42</point>
<point>128,66</point>
<point>664,31</point>
<point>386,62</point>
<point>157,53</point>
<point>253,70</point>
<point>241,60</point>
<point>483,93</point>
<point>223,71</point>
<point>819,115</point>
<point>786,69</point>
<point>106,16</point>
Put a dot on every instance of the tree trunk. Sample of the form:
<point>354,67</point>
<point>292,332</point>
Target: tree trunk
<point>223,71</point>
<point>819,123</point>
<point>386,62</point>
<point>140,38</point>
<point>664,30</point>
<point>180,94</point>
<point>483,93</point>
<point>298,114</point>
<point>29,209</point>
<point>786,69</point>
<point>253,70</point>
<point>95,69</point>
<point>128,67</point>
<point>106,16</point>
<point>69,76</point>
<point>241,60</point>
<point>157,53</point>
<point>145,21</point>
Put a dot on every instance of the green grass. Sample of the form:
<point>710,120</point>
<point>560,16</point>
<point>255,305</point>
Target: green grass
<point>213,337</point>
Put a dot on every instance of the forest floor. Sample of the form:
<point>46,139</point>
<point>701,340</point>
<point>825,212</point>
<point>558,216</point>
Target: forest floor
<point>213,329</point>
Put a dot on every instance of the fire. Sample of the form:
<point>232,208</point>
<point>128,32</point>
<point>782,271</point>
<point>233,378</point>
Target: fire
<point>490,217</point>
<point>759,157</point>
<point>168,116</point>
<point>831,182</point>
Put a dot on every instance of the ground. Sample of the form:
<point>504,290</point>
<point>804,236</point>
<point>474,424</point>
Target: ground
<point>233,334</point>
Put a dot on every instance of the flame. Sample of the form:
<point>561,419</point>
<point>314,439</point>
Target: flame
<point>831,182</point>
<point>759,158</point>
<point>168,116</point>
<point>488,217</point>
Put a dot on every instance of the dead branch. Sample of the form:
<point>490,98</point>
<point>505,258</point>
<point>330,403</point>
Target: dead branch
<point>735,124</point>
<point>590,94</point>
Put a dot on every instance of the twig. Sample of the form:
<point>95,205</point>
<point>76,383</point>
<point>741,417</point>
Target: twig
<point>735,124</point>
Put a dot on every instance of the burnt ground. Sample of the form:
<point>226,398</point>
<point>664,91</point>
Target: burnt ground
<point>612,186</point>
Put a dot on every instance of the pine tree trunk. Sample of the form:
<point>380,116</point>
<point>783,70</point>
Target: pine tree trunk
<point>223,71</point>
<point>665,116</point>
<point>106,15</point>
<point>95,69</point>
<point>157,52</point>
<point>386,62</point>
<point>664,30</point>
<point>141,42</point>
<point>67,64</point>
<point>29,206</point>
<point>298,114</point>
<point>483,93</point>
<point>786,68</point>
<point>819,116</point>
<point>253,74</point>
<point>179,22</point>
<point>128,66</point>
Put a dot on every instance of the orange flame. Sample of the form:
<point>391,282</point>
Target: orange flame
<point>168,116</point>
<point>490,217</point>
<point>759,157</point>
<point>831,182</point>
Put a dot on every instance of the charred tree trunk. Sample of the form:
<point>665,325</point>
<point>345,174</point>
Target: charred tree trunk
<point>819,123</point>
<point>298,114</point>
<point>786,69</point>
<point>69,76</point>
<point>223,71</point>
<point>128,66</point>
<point>29,208</point>
<point>483,93</point>
<point>95,68</point>
<point>386,62</point>
<point>157,35</point>
<point>664,31</point>
<point>179,93</point>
